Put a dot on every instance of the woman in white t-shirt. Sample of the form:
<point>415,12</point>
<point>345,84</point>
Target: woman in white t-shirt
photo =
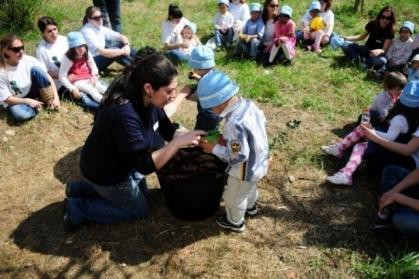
<point>170,30</point>
<point>25,85</point>
<point>269,16</point>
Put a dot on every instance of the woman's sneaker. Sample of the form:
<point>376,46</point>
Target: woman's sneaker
<point>332,149</point>
<point>225,224</point>
<point>340,178</point>
<point>252,211</point>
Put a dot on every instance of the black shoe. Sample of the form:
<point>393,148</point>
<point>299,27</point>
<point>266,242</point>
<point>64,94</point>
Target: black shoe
<point>68,225</point>
<point>225,224</point>
<point>252,211</point>
<point>67,190</point>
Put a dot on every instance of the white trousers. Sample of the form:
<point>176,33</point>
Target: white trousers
<point>95,91</point>
<point>238,196</point>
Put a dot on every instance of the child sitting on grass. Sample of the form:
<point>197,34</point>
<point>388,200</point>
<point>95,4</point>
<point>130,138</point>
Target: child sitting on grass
<point>413,70</point>
<point>400,122</point>
<point>315,30</point>
<point>78,71</point>
<point>223,25</point>
<point>246,149</point>
<point>188,38</point>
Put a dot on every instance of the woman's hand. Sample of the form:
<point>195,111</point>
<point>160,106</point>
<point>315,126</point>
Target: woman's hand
<point>376,52</point>
<point>55,104</point>
<point>188,138</point>
<point>35,104</point>
<point>369,131</point>
<point>76,94</point>
<point>126,50</point>
<point>386,199</point>
<point>207,147</point>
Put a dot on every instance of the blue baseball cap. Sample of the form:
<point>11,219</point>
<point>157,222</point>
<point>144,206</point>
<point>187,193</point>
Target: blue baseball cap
<point>215,88</point>
<point>202,57</point>
<point>75,39</point>
<point>410,94</point>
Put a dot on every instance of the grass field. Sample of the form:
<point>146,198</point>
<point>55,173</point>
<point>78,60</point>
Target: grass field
<point>306,228</point>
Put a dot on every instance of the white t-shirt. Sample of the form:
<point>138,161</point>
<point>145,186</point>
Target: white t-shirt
<point>225,20</point>
<point>415,155</point>
<point>268,35</point>
<point>167,28</point>
<point>51,54</point>
<point>240,12</point>
<point>96,37</point>
<point>398,125</point>
<point>328,17</point>
<point>16,80</point>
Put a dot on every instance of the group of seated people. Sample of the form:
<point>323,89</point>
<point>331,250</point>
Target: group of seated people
<point>265,33</point>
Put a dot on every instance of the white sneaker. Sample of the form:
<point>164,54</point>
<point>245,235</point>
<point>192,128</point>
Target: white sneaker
<point>332,149</point>
<point>340,178</point>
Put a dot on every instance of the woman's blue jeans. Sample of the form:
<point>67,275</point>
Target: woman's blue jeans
<point>103,62</point>
<point>22,112</point>
<point>405,219</point>
<point>111,9</point>
<point>361,54</point>
<point>89,202</point>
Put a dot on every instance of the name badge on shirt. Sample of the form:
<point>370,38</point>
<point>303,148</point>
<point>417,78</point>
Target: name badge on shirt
<point>156,126</point>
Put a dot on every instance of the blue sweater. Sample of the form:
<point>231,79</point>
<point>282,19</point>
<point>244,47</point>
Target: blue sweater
<point>121,141</point>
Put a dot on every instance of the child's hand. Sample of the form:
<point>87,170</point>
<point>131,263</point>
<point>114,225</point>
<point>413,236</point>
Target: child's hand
<point>376,52</point>
<point>206,146</point>
<point>93,80</point>
<point>71,78</point>
<point>368,131</point>
<point>75,93</point>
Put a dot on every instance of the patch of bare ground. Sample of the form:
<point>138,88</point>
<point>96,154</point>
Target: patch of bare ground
<point>305,228</point>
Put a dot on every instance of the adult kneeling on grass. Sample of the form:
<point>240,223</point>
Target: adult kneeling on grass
<point>124,145</point>
<point>25,85</point>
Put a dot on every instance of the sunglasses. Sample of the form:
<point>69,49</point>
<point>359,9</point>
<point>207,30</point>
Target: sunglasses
<point>16,49</point>
<point>273,5</point>
<point>386,17</point>
<point>96,18</point>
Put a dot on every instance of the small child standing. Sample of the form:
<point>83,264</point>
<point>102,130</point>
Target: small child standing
<point>252,33</point>
<point>284,37</point>
<point>78,71</point>
<point>315,30</point>
<point>223,25</point>
<point>202,62</point>
<point>188,38</point>
<point>413,70</point>
<point>246,149</point>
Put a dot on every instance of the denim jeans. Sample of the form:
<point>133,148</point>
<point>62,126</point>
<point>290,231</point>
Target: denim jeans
<point>103,62</point>
<point>206,119</point>
<point>111,9</point>
<point>249,49</point>
<point>361,54</point>
<point>177,56</point>
<point>89,202</point>
<point>221,37</point>
<point>22,112</point>
<point>405,219</point>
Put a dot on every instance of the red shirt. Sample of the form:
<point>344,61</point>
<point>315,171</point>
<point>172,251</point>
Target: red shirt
<point>80,69</point>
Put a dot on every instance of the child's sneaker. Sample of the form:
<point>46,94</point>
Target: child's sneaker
<point>225,224</point>
<point>252,211</point>
<point>332,149</point>
<point>340,178</point>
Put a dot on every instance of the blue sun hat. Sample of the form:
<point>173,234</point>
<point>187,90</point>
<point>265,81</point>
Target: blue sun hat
<point>215,88</point>
<point>286,10</point>
<point>255,7</point>
<point>315,5</point>
<point>202,57</point>
<point>75,39</point>
<point>410,94</point>
<point>225,2</point>
<point>193,27</point>
<point>408,25</point>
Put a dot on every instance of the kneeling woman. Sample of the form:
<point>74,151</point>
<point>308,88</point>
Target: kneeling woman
<point>121,147</point>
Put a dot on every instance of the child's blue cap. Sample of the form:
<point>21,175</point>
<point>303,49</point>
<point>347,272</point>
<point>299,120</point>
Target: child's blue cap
<point>225,2</point>
<point>193,27</point>
<point>410,94</point>
<point>336,41</point>
<point>255,7</point>
<point>202,57</point>
<point>75,39</point>
<point>215,88</point>
<point>286,10</point>
<point>315,5</point>
<point>409,25</point>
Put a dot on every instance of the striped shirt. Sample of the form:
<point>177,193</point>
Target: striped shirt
<point>246,150</point>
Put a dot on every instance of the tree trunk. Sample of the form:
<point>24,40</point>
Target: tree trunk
<point>359,3</point>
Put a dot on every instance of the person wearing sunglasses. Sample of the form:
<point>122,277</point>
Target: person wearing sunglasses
<point>379,33</point>
<point>269,16</point>
<point>106,45</point>
<point>25,85</point>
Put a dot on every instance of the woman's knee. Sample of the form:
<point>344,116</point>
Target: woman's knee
<point>40,77</point>
<point>22,112</point>
<point>407,223</point>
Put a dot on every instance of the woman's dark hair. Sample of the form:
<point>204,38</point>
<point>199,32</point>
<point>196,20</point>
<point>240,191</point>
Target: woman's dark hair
<point>154,69</point>
<point>265,12</point>
<point>390,26</point>
<point>89,12</point>
<point>72,55</point>
<point>44,21</point>
<point>328,4</point>
<point>411,115</point>
<point>174,12</point>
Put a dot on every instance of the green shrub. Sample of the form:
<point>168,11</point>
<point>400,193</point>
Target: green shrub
<point>18,16</point>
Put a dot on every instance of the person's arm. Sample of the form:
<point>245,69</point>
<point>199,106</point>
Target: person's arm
<point>330,23</point>
<point>380,51</point>
<point>63,73</point>
<point>14,100</point>
<point>405,149</point>
<point>216,20</point>
<point>357,37</point>
<point>171,107</point>
<point>397,126</point>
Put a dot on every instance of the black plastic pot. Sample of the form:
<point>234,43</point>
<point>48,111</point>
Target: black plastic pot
<point>192,196</point>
